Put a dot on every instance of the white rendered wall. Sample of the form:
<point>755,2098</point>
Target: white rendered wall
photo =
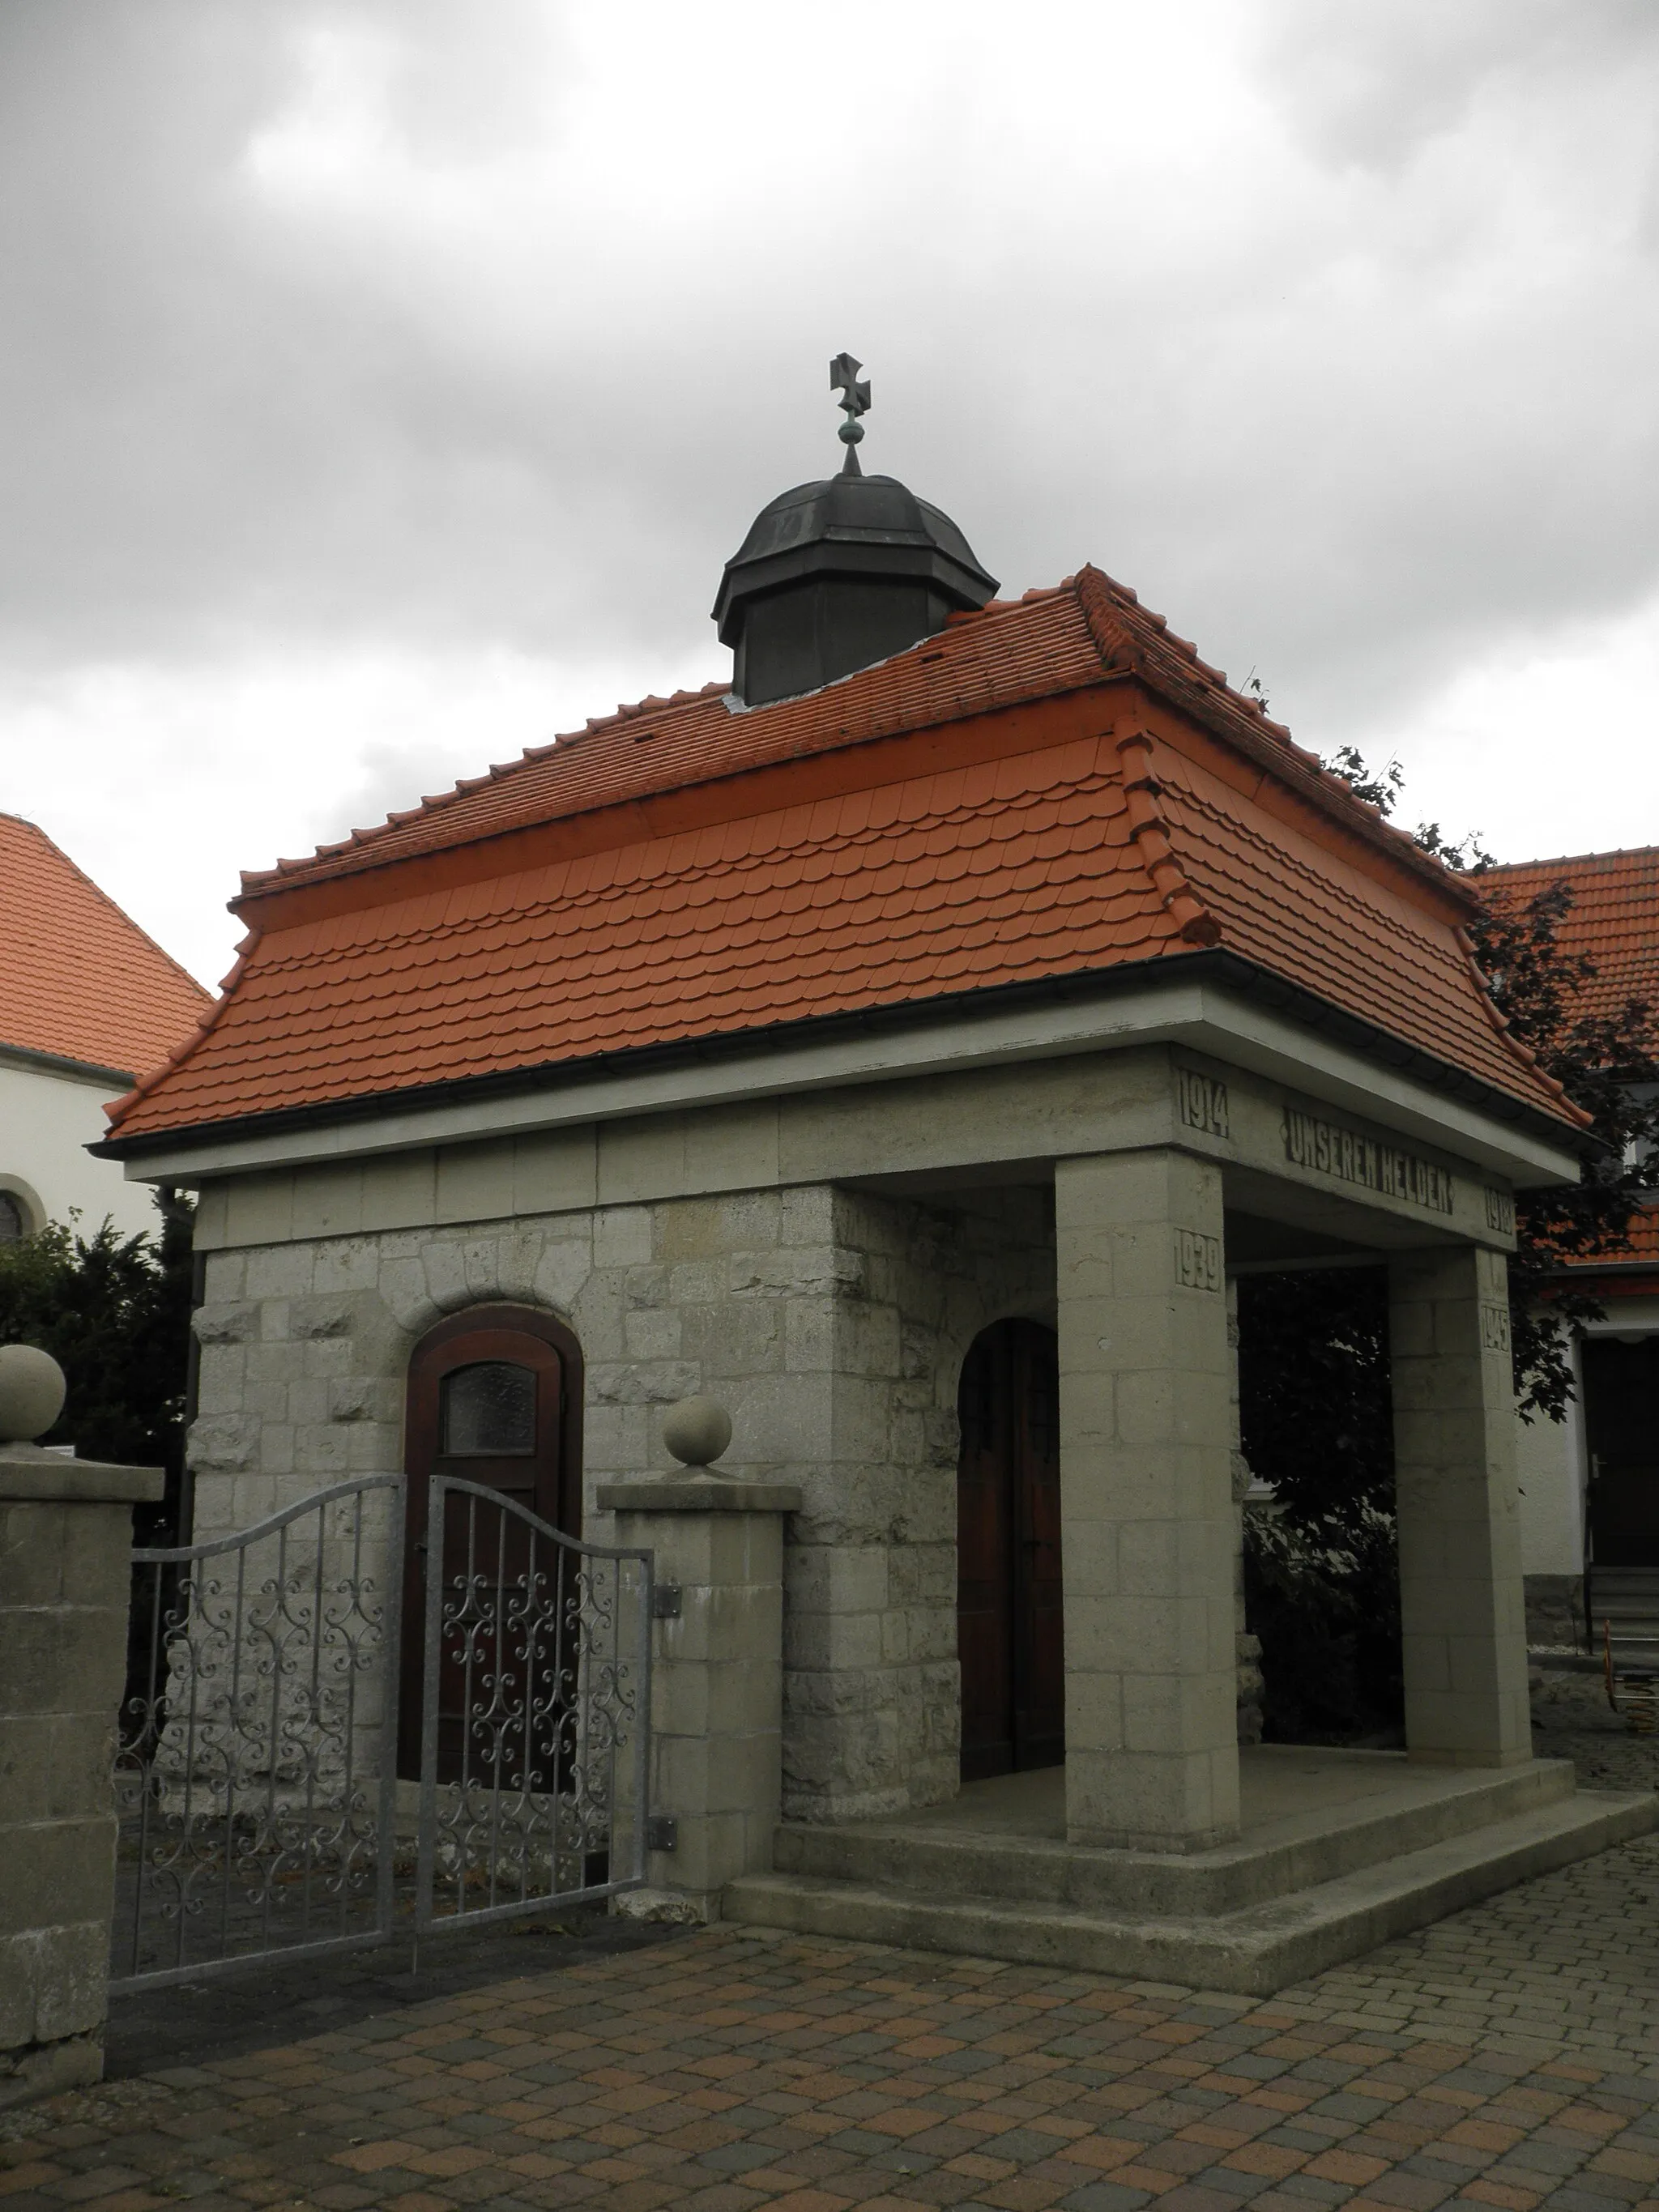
<point>1549,1462</point>
<point>1553,1460</point>
<point>47,1121</point>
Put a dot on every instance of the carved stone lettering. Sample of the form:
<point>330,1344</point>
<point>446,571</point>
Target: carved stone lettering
<point>1201,1102</point>
<point>1197,1261</point>
<point>1495,1328</point>
<point>1500,1211</point>
<point>1329,1149</point>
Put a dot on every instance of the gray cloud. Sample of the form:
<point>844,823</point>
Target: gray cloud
<point>1340,347</point>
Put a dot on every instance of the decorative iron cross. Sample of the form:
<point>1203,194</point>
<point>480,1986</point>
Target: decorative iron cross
<point>855,399</point>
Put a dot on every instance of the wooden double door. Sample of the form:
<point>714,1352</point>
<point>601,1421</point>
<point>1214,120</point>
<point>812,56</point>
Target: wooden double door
<point>1009,1616</point>
<point>494,1398</point>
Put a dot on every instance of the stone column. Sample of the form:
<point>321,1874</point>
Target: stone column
<point>1462,1596</point>
<point>717,1668</point>
<point>1152,1754</point>
<point>65,1574</point>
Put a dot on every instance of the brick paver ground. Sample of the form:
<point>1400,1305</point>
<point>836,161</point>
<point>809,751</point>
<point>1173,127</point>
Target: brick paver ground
<point>737,2072</point>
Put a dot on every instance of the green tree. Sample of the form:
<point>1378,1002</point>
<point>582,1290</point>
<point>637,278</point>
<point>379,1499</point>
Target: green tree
<point>1607,1063</point>
<point>1322,1576</point>
<point>114,1312</point>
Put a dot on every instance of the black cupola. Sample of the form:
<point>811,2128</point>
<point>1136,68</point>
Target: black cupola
<point>837,575</point>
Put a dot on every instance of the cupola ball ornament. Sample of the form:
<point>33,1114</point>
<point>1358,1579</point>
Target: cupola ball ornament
<point>837,575</point>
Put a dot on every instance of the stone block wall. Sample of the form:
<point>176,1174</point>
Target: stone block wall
<point>65,1537</point>
<point>872,1689</point>
<point>832,1323</point>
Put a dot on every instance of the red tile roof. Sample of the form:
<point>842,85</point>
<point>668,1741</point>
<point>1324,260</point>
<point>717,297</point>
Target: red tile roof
<point>1614,921</point>
<point>1614,917</point>
<point>79,980</point>
<point>1630,1273</point>
<point>1044,789</point>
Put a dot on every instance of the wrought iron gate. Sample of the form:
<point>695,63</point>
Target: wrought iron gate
<point>261,1813</point>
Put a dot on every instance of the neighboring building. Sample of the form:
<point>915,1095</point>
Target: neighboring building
<point>901,1052</point>
<point>88,1005</point>
<point>1591,1485</point>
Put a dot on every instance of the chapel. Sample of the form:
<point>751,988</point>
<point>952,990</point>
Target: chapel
<point>908,1042</point>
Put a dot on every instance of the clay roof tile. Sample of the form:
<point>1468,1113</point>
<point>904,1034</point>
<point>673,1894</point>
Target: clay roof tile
<point>79,980</point>
<point>960,815</point>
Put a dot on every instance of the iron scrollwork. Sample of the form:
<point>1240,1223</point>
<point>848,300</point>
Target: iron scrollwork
<point>254,1806</point>
<point>535,1705</point>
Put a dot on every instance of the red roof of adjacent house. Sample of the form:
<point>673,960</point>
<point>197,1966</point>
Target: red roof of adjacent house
<point>79,980</point>
<point>1047,788</point>
<point>1632,1272</point>
<point>1614,917</point>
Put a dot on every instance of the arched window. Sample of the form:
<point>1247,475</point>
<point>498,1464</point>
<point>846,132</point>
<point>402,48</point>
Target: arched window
<point>495,1397</point>
<point>21,1213</point>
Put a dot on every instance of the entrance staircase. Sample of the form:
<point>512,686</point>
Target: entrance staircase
<point>1340,1850</point>
<point>1623,1603</point>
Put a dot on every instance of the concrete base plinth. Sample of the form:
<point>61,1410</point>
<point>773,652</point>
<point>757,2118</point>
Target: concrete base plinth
<point>1339,1851</point>
<point>46,2069</point>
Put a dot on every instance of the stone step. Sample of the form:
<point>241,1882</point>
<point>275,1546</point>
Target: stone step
<point>1294,1852</point>
<point>1253,1951</point>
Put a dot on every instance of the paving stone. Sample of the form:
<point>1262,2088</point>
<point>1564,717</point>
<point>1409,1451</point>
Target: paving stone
<point>1508,2057</point>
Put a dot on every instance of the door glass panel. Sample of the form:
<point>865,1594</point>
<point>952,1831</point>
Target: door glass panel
<point>489,1411</point>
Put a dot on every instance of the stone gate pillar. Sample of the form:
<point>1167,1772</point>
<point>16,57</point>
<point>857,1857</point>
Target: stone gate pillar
<point>65,1575</point>
<point>1463,1601</point>
<point>716,1767</point>
<point>1146,1448</point>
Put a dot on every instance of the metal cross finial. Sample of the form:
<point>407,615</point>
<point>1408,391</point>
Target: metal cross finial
<point>855,399</point>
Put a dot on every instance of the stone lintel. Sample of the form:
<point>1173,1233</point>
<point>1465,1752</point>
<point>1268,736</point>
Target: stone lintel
<point>698,1494</point>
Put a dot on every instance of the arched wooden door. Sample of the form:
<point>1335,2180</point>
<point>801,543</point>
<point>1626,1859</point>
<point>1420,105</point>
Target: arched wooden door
<point>1010,1617</point>
<point>495,1397</point>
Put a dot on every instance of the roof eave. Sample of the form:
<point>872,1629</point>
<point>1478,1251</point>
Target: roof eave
<point>57,1063</point>
<point>1214,964</point>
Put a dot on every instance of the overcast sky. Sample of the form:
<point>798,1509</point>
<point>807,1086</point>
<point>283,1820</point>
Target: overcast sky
<point>383,385</point>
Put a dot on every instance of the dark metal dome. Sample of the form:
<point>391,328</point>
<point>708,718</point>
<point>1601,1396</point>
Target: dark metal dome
<point>837,575</point>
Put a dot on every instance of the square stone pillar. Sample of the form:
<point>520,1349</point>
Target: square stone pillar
<point>716,1679</point>
<point>65,1577</point>
<point>1147,1503</point>
<point>1462,1600</point>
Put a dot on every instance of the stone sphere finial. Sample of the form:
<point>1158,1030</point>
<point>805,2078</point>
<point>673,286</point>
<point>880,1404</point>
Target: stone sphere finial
<point>32,1390</point>
<point>696,1430</point>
